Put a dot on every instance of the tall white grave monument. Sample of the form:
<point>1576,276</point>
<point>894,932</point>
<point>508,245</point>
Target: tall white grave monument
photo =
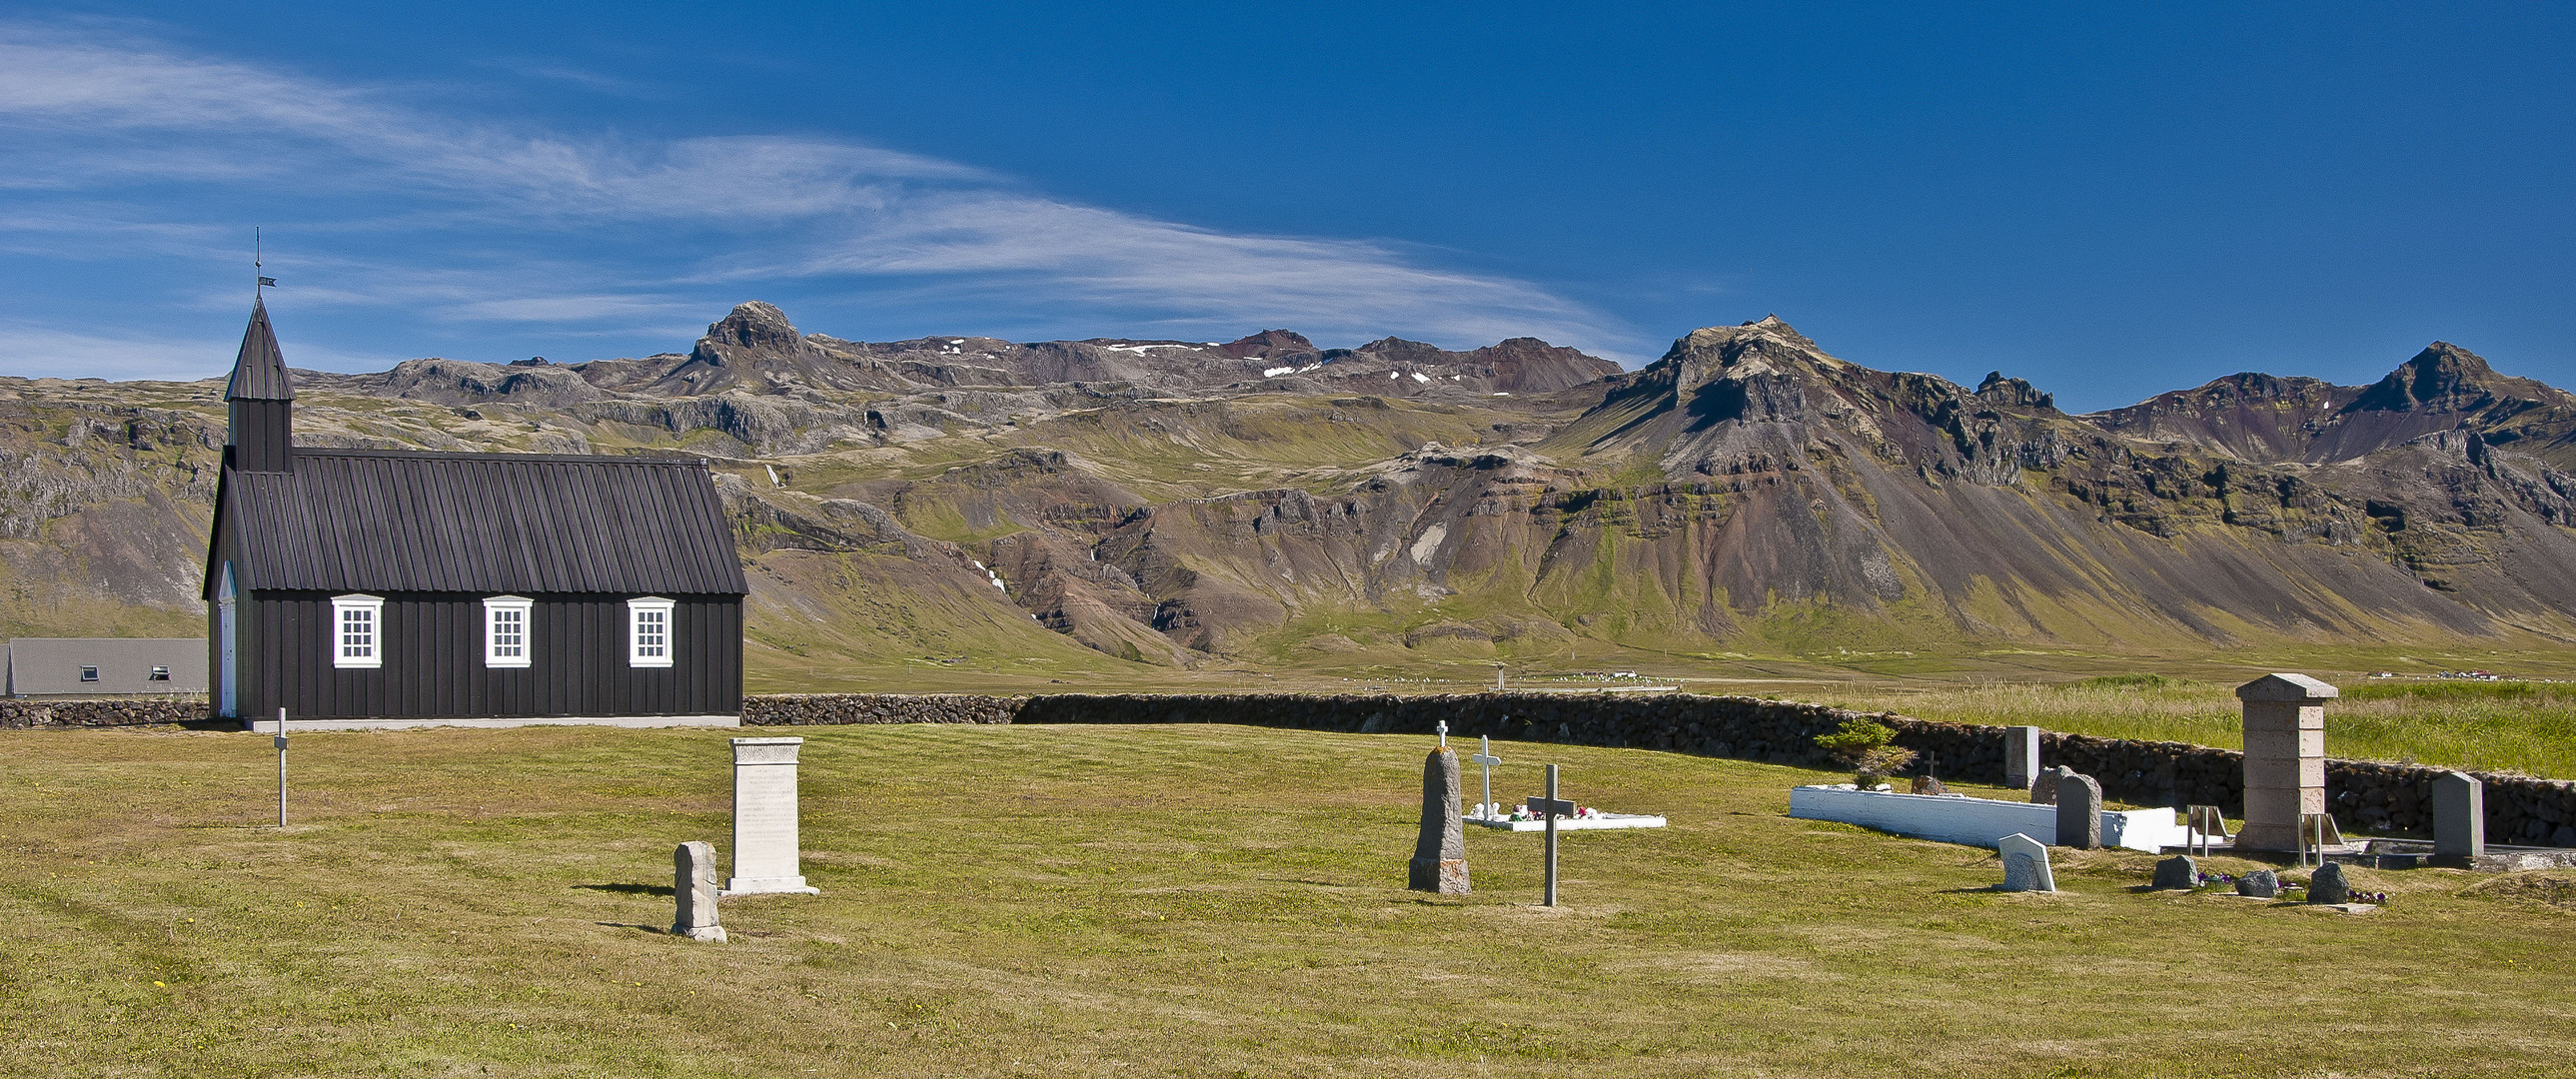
<point>765,846</point>
<point>2285,757</point>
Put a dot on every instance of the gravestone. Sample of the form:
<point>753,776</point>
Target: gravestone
<point>2459,816</point>
<point>1440,853</point>
<point>2177,872</point>
<point>2079,812</point>
<point>766,848</point>
<point>693,886</point>
<point>2043,787</point>
<point>2025,864</point>
<point>1549,808</point>
<point>2327,887</point>
<point>2285,757</point>
<point>2021,756</point>
<point>2261,884</point>
<point>1486,759</point>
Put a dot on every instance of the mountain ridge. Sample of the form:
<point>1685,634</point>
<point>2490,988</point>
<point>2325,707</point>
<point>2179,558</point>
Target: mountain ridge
<point>1268,501</point>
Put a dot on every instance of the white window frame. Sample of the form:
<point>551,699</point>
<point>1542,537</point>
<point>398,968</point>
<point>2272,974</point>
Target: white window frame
<point>497,609</point>
<point>346,654</point>
<point>637,640</point>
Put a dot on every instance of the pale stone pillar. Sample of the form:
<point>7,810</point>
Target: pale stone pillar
<point>766,846</point>
<point>2285,757</point>
<point>693,885</point>
<point>2021,756</point>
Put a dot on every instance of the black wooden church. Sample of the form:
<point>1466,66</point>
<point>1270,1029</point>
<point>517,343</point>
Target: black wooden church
<point>379,588</point>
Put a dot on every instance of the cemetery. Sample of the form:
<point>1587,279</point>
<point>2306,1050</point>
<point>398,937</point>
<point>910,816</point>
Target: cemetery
<point>1174,899</point>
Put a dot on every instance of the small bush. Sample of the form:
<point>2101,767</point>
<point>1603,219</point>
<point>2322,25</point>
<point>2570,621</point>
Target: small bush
<point>1867,746</point>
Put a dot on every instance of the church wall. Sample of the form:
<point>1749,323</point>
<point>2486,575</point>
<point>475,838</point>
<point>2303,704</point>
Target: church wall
<point>433,660</point>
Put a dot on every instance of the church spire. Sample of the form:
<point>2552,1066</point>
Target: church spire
<point>259,400</point>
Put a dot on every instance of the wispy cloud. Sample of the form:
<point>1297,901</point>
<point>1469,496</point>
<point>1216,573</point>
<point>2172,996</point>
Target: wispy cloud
<point>37,351</point>
<point>510,223</point>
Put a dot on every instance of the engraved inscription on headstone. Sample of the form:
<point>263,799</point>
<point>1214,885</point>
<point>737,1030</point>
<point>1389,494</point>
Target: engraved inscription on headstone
<point>693,885</point>
<point>765,842</point>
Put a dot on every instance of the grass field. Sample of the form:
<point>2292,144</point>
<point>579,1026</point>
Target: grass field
<point>1191,901</point>
<point>2498,726</point>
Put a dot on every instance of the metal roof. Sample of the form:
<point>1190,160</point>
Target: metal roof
<point>51,666</point>
<point>259,372</point>
<point>390,521</point>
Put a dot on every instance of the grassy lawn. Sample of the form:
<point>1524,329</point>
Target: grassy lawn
<point>1218,901</point>
<point>2498,726</point>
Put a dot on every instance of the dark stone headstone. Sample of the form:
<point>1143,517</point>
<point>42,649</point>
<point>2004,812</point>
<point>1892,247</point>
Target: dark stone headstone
<point>2043,787</point>
<point>2328,885</point>
<point>2459,816</point>
<point>2079,812</point>
<point>2261,884</point>
<point>1440,855</point>
<point>2178,871</point>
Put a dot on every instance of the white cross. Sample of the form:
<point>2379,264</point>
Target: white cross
<point>1485,756</point>
<point>1443,728</point>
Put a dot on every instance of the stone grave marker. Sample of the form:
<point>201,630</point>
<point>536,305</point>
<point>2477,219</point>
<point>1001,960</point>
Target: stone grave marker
<point>2178,872</point>
<point>1440,852</point>
<point>2259,884</point>
<point>2327,887</point>
<point>766,848</point>
<point>2285,757</point>
<point>2459,817</point>
<point>2043,787</point>
<point>2021,756</point>
<point>1486,759</point>
<point>693,887</point>
<point>2079,812</point>
<point>2025,864</point>
<point>1549,809</point>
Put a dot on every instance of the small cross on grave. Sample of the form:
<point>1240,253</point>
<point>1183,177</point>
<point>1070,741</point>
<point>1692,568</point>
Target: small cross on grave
<point>1443,728</point>
<point>1485,756</point>
<point>1549,809</point>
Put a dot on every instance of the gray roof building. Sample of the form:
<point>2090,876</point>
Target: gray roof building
<point>105,666</point>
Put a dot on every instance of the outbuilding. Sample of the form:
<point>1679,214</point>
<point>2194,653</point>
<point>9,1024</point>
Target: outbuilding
<point>380,588</point>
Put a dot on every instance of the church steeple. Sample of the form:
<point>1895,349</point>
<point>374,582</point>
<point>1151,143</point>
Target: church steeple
<point>259,402</point>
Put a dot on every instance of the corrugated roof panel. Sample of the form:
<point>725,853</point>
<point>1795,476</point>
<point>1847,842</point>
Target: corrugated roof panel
<point>348,520</point>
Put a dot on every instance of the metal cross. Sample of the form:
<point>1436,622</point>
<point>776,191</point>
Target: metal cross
<point>1443,728</point>
<point>1485,756</point>
<point>1548,809</point>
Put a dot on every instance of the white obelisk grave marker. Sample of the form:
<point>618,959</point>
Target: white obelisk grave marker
<point>765,850</point>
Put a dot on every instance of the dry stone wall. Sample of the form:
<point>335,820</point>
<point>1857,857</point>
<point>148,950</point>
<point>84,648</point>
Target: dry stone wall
<point>112,712</point>
<point>2378,799</point>
<point>2365,797</point>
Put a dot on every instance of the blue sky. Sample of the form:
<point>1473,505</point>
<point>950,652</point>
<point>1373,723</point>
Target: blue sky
<point>2105,200</point>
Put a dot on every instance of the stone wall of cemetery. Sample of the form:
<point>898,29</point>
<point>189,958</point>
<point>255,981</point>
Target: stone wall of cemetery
<point>2380,799</point>
<point>101,712</point>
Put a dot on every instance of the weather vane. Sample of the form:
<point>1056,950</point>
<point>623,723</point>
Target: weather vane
<point>255,267</point>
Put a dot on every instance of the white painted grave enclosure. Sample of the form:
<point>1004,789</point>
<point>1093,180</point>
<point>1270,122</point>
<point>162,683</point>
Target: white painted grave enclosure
<point>1980,822</point>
